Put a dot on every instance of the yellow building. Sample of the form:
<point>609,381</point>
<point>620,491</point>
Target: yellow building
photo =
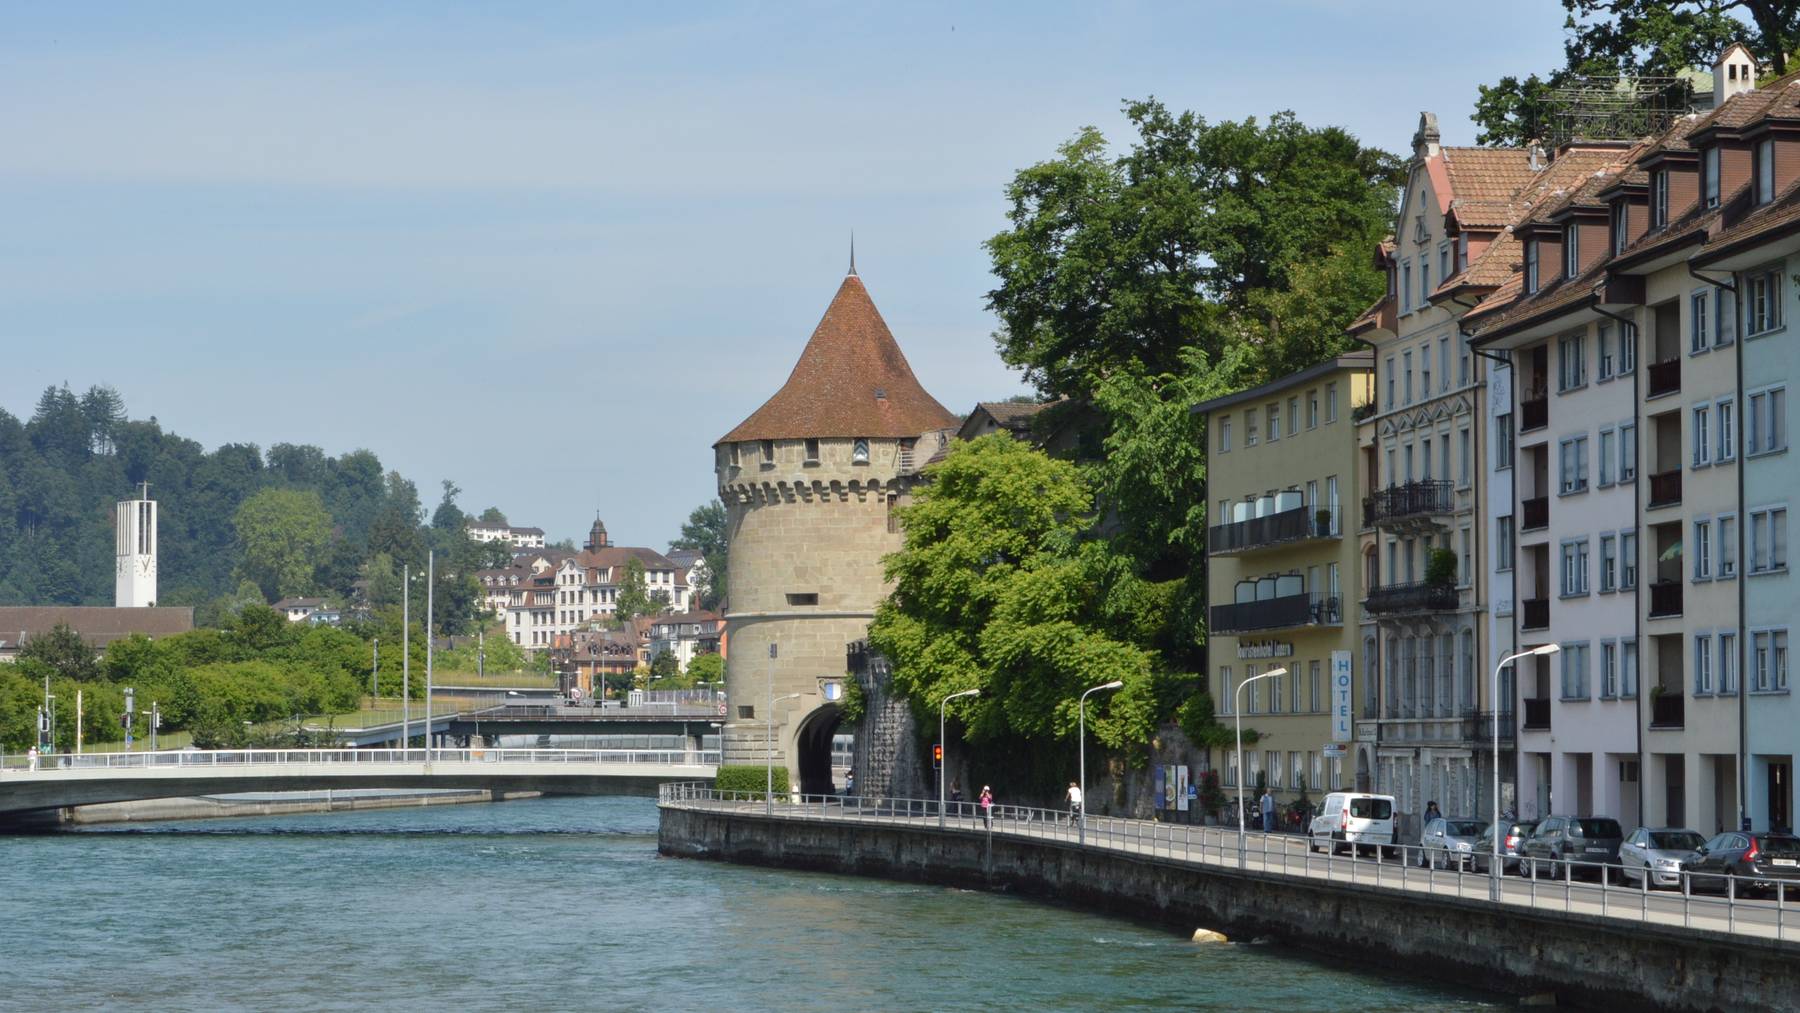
<point>1281,555</point>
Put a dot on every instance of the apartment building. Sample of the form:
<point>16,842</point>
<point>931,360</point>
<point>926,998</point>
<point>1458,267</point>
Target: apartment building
<point>1282,461</point>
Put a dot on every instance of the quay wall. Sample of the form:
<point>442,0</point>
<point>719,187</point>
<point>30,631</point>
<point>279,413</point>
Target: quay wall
<point>1587,962</point>
<point>202,808</point>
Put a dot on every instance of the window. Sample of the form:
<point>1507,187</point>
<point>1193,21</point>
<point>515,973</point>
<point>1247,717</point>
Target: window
<point>1574,465</point>
<point>1406,288</point>
<point>1627,560</point>
<point>1702,440</point>
<point>1571,362</point>
<point>1425,372</point>
<point>1314,677</point>
<point>1628,668</point>
<point>1331,500</point>
<point>1768,663</point>
<point>1274,694</point>
<point>1609,563</point>
<point>1709,176</point>
<point>1574,568</point>
<point>1227,696</point>
<point>1728,664</point>
<point>1724,317</point>
<point>1727,546</point>
<point>1274,414</point>
<point>1503,442</point>
<point>1571,251</point>
<point>1224,436</point>
<point>1768,540</point>
<point>1603,349</point>
<point>1703,658</point>
<point>1702,552</point>
<point>1424,281</point>
<point>1609,440</point>
<point>1767,422</point>
<point>1296,772</point>
<point>1331,402</point>
<point>1444,270</point>
<point>1293,419</point>
<point>1312,409</point>
<point>1659,199</point>
<point>1531,266</point>
<point>1468,558</point>
<point>806,598</point>
<point>1462,367</point>
<point>1390,381</point>
<point>1627,348</point>
<point>734,455</point>
<point>1444,362</point>
<point>859,451</point>
<point>1575,671</point>
<point>1762,301</point>
<point>1406,376</point>
<point>1628,453</point>
<point>1250,427</point>
<point>812,446</point>
<point>1609,670</point>
<point>1726,411</point>
<point>1765,170</point>
<point>1699,337</point>
<point>1621,230</point>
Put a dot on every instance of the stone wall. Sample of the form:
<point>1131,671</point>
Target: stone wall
<point>1590,963</point>
<point>888,761</point>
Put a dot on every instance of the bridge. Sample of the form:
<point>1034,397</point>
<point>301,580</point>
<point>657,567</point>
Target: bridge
<point>60,780</point>
<point>482,724</point>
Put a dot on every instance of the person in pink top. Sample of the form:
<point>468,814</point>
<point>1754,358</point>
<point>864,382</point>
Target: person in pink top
<point>987,806</point>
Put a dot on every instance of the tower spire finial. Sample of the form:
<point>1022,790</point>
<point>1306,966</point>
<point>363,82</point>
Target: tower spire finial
<point>852,251</point>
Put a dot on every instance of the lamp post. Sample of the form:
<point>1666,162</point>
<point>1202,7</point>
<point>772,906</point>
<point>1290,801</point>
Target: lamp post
<point>1237,709</point>
<point>1494,866</point>
<point>769,795</point>
<point>1081,749</point>
<point>405,659</point>
<point>944,760</point>
<point>430,591</point>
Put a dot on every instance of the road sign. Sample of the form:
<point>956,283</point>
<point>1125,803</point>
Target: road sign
<point>1335,750</point>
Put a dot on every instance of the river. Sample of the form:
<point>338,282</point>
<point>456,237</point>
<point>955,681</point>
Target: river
<point>564,904</point>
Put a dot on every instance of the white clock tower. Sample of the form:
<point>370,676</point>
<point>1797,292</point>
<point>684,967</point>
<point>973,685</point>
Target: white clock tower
<point>135,578</point>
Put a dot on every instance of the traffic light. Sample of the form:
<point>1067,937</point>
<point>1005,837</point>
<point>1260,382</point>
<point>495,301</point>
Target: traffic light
<point>937,756</point>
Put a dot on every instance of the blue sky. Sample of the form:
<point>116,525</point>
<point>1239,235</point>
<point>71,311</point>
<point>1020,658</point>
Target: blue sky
<point>554,251</point>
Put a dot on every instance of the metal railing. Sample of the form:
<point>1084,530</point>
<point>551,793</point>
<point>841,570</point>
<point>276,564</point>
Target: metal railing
<point>1555,884</point>
<point>54,763</point>
<point>1293,525</point>
<point>1410,499</point>
<point>1421,596</point>
<point>1276,613</point>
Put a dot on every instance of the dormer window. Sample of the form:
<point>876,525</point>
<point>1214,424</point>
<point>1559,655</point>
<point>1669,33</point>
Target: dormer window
<point>1765,170</point>
<point>1462,251</point>
<point>1571,251</point>
<point>1709,176</point>
<point>1621,234</point>
<point>1531,266</point>
<point>1659,198</point>
<point>768,453</point>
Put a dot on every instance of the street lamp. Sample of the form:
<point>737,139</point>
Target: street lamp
<point>1081,748</point>
<point>945,759</point>
<point>1494,866</point>
<point>769,795</point>
<point>1237,708</point>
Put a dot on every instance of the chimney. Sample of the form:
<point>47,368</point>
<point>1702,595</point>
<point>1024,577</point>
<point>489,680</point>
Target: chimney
<point>1734,74</point>
<point>1534,155</point>
<point>1426,138</point>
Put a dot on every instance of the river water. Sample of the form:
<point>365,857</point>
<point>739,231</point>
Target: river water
<point>562,904</point>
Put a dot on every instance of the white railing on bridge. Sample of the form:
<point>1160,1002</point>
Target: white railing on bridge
<point>1701,900</point>
<point>213,758</point>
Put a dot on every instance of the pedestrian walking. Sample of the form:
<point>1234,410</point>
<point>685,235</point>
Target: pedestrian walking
<point>1431,812</point>
<point>32,755</point>
<point>1074,802</point>
<point>1267,804</point>
<point>987,806</point>
<point>849,783</point>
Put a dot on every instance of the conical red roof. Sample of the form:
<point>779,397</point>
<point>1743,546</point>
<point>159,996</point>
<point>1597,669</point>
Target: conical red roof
<point>852,380</point>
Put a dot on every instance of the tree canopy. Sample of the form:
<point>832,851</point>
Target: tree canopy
<point>704,532</point>
<point>281,534</point>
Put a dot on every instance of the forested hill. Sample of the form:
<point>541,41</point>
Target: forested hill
<point>290,520</point>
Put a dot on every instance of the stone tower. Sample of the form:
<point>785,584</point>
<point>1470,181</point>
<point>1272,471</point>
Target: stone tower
<point>134,567</point>
<point>810,482</point>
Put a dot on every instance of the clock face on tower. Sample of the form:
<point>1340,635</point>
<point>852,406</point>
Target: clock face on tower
<point>146,566</point>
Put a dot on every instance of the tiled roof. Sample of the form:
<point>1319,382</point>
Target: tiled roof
<point>1776,216</point>
<point>851,380</point>
<point>97,625</point>
<point>1486,174</point>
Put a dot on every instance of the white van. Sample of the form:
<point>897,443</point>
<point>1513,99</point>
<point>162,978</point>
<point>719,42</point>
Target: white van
<point>1353,820</point>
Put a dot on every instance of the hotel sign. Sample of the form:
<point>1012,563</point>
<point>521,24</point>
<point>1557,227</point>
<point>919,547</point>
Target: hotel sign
<point>1340,696</point>
<point>1265,649</point>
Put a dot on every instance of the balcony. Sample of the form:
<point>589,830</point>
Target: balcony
<point>1480,727</point>
<point>1537,715</point>
<point>1288,526</point>
<point>1535,513</point>
<point>1410,500</point>
<point>1401,599</point>
<point>1665,599</point>
<point>1534,410</point>
<point>1668,710</point>
<point>1536,614</point>
<point>1665,488</point>
<point>1276,613</point>
<point>1665,377</point>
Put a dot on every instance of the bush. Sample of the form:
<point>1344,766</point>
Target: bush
<point>750,780</point>
<point>1440,567</point>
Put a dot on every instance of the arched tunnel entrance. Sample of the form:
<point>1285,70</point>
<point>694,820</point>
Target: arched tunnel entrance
<point>818,755</point>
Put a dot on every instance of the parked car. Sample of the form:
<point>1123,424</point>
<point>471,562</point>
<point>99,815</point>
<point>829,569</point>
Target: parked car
<point>1447,841</point>
<point>1353,821</point>
<point>1516,833</point>
<point>1658,854</point>
<point>1759,861</point>
<point>1578,842</point>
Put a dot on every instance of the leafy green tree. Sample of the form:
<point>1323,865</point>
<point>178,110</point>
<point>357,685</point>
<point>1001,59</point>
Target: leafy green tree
<point>707,668</point>
<point>492,515</point>
<point>664,668</point>
<point>1636,38</point>
<point>704,532</point>
<point>63,650</point>
<point>282,533</point>
<point>447,517</point>
<point>634,599</point>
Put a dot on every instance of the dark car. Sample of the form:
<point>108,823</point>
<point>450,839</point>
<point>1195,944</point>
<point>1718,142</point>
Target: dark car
<point>1758,861</point>
<point>1518,831</point>
<point>1584,845</point>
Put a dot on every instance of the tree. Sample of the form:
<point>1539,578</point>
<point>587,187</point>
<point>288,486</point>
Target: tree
<point>1117,263</point>
<point>1637,38</point>
<point>704,532</point>
<point>492,515</point>
<point>63,650</point>
<point>447,517</point>
<point>282,534</point>
<point>707,668</point>
<point>665,669</point>
<point>634,599</point>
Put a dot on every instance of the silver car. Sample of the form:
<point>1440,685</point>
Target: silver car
<point>1448,841</point>
<point>1660,853</point>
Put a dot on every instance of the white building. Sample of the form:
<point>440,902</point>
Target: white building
<point>134,536</point>
<point>518,538</point>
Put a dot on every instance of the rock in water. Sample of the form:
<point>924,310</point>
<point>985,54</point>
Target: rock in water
<point>1209,936</point>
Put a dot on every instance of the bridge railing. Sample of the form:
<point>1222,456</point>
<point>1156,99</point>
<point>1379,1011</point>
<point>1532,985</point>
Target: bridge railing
<point>542,712</point>
<point>1748,905</point>
<point>213,758</point>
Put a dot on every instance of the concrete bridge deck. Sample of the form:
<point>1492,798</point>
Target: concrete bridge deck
<point>68,780</point>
